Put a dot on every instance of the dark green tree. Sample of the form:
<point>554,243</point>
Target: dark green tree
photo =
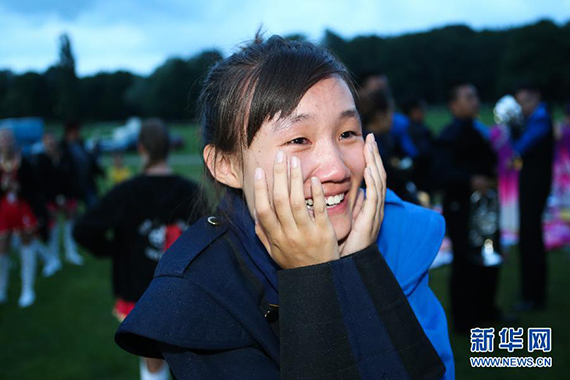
<point>68,106</point>
<point>103,96</point>
<point>172,89</point>
<point>26,97</point>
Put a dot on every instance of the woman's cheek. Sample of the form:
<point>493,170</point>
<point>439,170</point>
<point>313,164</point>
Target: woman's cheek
<point>356,162</point>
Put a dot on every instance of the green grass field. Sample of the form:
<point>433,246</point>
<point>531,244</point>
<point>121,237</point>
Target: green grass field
<point>68,332</point>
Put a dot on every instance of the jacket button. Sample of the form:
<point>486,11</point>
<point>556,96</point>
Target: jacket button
<point>213,221</point>
<point>272,315</point>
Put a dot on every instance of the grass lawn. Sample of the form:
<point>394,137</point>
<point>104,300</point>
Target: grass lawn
<point>555,316</point>
<point>68,332</point>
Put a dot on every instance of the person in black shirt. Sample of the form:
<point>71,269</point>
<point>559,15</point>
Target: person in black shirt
<point>422,138</point>
<point>464,163</point>
<point>535,146</point>
<point>394,143</point>
<point>55,175</point>
<point>145,214</point>
<point>86,169</point>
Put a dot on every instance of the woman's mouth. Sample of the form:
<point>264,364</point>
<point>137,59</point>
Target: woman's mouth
<point>332,201</point>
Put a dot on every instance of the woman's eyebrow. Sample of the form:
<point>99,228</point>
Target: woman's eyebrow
<point>291,120</point>
<point>297,118</point>
<point>350,114</point>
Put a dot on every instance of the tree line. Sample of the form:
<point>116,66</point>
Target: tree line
<point>418,65</point>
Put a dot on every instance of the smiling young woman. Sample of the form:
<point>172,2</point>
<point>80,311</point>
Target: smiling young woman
<point>286,279</point>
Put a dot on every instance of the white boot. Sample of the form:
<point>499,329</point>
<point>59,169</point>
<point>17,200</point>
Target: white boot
<point>51,264</point>
<point>28,259</point>
<point>54,235</point>
<point>71,254</point>
<point>41,250</point>
<point>4,276</point>
<point>15,242</point>
<point>162,374</point>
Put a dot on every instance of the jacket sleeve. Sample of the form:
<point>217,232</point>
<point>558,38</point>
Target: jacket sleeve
<point>174,320</point>
<point>536,130</point>
<point>91,230</point>
<point>409,259</point>
<point>241,363</point>
<point>349,318</point>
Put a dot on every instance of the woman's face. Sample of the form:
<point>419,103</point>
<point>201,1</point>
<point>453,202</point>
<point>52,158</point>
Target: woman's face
<point>325,133</point>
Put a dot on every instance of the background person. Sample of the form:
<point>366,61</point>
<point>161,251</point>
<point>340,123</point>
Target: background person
<point>422,138</point>
<point>85,166</point>
<point>395,145</point>
<point>465,163</point>
<point>18,192</point>
<point>145,215</point>
<point>118,172</point>
<point>535,147</point>
<point>560,205</point>
<point>55,174</point>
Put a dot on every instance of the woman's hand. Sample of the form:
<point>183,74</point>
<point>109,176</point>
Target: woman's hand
<point>290,235</point>
<point>368,212</point>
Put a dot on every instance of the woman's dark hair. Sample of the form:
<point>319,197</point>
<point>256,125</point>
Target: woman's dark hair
<point>264,80</point>
<point>155,140</point>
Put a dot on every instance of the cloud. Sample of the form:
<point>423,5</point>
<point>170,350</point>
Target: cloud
<point>67,10</point>
<point>139,35</point>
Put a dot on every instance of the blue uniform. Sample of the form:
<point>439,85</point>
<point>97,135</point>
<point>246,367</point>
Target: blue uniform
<point>209,312</point>
<point>535,147</point>
<point>538,127</point>
<point>400,126</point>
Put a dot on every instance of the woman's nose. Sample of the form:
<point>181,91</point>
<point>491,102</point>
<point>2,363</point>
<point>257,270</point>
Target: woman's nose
<point>330,165</point>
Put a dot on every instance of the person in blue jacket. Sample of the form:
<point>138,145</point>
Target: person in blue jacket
<point>535,146</point>
<point>286,279</point>
<point>396,147</point>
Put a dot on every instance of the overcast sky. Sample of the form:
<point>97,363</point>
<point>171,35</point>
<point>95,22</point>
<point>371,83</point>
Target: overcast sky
<point>138,35</point>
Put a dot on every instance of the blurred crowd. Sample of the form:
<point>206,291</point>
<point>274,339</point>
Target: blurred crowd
<point>496,186</point>
<point>40,195</point>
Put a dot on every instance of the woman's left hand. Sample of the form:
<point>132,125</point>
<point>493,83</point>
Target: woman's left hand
<point>368,212</point>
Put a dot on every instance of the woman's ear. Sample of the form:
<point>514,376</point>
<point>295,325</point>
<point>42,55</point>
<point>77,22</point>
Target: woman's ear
<point>224,168</point>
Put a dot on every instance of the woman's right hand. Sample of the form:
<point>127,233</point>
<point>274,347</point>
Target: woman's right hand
<point>291,236</point>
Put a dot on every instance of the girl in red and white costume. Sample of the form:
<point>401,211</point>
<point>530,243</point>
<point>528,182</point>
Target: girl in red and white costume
<point>16,216</point>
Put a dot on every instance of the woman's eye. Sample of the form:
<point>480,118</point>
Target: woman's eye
<point>347,134</point>
<point>298,141</point>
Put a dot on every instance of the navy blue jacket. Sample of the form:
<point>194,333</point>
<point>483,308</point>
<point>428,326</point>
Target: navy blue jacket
<point>205,313</point>
<point>536,148</point>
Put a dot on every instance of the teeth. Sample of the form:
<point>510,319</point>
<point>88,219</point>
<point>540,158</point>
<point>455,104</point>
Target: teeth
<point>331,201</point>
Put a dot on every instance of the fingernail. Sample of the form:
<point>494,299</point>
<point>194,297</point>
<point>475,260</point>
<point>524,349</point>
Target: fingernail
<point>258,173</point>
<point>314,181</point>
<point>294,162</point>
<point>370,147</point>
<point>280,156</point>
